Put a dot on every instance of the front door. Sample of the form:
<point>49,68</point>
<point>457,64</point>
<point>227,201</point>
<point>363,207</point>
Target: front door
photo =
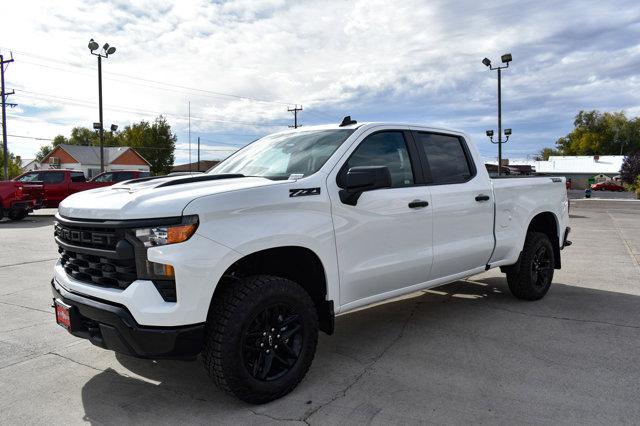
<point>384,242</point>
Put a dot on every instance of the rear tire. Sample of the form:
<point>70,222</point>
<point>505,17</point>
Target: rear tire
<point>262,334</point>
<point>532,279</point>
<point>17,214</point>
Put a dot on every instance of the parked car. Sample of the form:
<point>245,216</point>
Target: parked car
<point>247,262</point>
<point>18,199</point>
<point>57,184</point>
<point>607,186</point>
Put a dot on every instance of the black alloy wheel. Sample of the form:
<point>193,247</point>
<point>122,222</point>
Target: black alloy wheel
<point>262,333</point>
<point>531,277</point>
<point>541,267</point>
<point>272,342</point>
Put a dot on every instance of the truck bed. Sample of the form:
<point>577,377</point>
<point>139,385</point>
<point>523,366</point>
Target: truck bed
<point>517,200</point>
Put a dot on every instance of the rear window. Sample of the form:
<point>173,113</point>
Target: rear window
<point>446,156</point>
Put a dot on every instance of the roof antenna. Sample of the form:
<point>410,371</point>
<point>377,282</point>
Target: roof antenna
<point>347,121</point>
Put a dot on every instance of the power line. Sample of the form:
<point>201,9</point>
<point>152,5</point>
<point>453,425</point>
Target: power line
<point>164,84</point>
<point>135,147</point>
<point>89,104</point>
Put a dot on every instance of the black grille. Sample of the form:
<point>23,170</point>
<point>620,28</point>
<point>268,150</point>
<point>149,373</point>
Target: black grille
<point>98,270</point>
<point>96,255</point>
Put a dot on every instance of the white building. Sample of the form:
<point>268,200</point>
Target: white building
<point>578,168</point>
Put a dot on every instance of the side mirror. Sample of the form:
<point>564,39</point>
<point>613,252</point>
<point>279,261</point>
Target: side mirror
<point>361,179</point>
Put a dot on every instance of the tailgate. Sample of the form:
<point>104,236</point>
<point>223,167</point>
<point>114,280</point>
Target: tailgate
<point>33,190</point>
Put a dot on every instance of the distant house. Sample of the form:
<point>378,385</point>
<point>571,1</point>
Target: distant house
<point>28,164</point>
<point>203,166</point>
<point>87,159</point>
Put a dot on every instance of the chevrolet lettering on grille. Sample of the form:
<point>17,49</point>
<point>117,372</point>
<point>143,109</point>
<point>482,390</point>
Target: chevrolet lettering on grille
<point>86,237</point>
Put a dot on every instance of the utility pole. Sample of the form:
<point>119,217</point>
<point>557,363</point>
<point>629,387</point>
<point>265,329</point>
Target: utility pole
<point>198,153</point>
<point>4,94</point>
<point>295,110</point>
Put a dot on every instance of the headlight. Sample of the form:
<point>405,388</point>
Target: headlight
<point>169,234</point>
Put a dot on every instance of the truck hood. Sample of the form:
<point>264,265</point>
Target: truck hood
<point>152,197</point>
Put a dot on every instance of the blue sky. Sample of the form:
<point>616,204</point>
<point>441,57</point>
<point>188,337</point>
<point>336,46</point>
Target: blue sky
<point>242,63</point>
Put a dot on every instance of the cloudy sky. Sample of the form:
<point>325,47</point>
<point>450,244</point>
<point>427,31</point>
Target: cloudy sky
<point>242,63</point>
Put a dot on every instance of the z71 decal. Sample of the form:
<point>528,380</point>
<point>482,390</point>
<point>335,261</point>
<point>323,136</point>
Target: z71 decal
<point>304,192</point>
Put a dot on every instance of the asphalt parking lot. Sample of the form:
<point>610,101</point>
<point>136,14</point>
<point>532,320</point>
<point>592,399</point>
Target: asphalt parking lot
<point>463,353</point>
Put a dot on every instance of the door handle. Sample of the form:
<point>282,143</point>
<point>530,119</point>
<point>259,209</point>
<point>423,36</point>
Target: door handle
<point>418,203</point>
<point>482,197</point>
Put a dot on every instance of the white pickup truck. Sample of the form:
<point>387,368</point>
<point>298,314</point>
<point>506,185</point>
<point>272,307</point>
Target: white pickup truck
<point>246,263</point>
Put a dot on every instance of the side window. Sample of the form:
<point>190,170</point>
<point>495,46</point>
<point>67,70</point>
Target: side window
<point>446,156</point>
<point>106,177</point>
<point>77,177</point>
<point>144,174</point>
<point>53,177</point>
<point>385,149</point>
<point>122,176</point>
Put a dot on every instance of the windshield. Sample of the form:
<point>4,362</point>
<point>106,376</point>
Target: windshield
<point>282,155</point>
<point>29,177</point>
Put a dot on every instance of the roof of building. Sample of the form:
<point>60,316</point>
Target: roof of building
<point>90,155</point>
<point>587,164</point>
<point>24,162</point>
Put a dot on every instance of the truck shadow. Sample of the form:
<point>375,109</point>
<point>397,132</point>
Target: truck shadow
<point>445,341</point>
<point>31,221</point>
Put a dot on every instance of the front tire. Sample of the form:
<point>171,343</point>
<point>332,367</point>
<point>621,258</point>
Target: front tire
<point>17,214</point>
<point>262,334</point>
<point>532,279</point>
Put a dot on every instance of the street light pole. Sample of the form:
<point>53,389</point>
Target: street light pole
<point>499,120</point>
<point>101,131</point>
<point>506,58</point>
<point>106,51</point>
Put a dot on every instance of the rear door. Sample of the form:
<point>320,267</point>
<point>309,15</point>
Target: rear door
<point>383,243</point>
<point>462,204</point>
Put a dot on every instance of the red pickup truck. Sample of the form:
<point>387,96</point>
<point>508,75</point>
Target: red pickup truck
<point>59,184</point>
<point>17,199</point>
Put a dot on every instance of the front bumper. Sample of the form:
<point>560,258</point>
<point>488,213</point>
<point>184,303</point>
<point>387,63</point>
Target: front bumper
<point>27,205</point>
<point>111,326</point>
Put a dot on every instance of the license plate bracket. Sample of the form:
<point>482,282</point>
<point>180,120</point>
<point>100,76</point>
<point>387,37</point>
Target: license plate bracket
<point>64,314</point>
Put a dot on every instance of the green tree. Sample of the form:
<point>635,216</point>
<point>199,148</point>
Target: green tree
<point>596,133</point>
<point>43,152</point>
<point>545,153</point>
<point>15,168</point>
<point>630,170</point>
<point>154,141</point>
